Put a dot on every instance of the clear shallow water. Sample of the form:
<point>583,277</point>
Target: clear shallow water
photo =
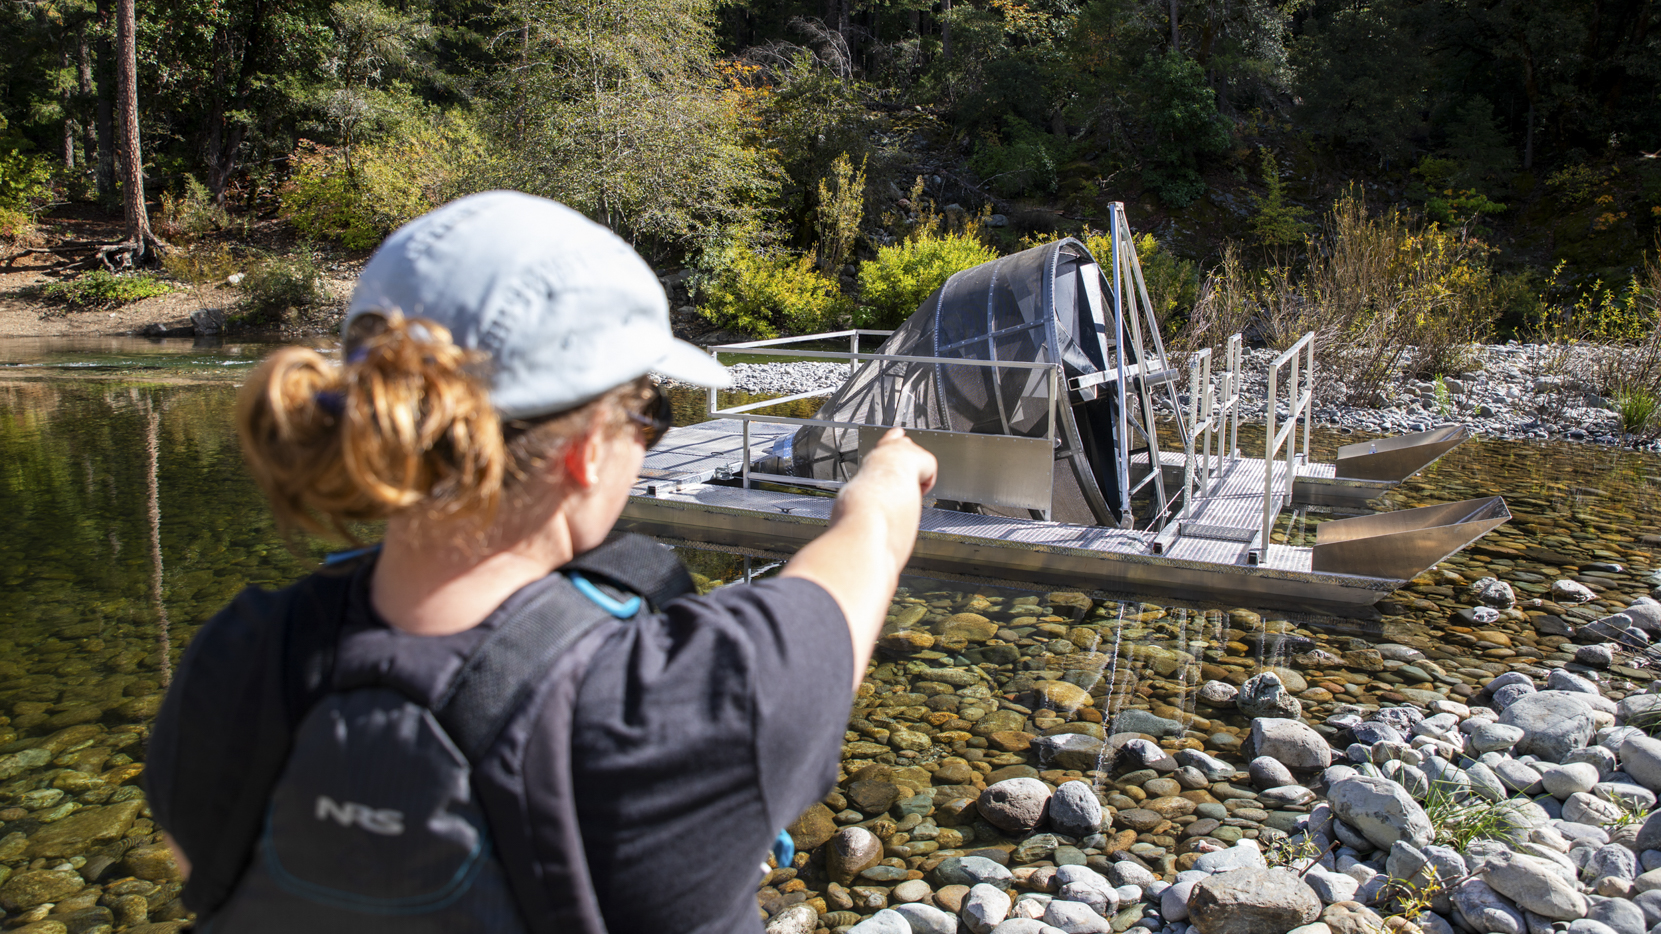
<point>129,520</point>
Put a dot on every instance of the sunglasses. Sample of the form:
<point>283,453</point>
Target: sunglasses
<point>656,417</point>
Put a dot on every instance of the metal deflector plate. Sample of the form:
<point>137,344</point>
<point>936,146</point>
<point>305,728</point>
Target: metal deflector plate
<point>1405,543</point>
<point>1396,459</point>
<point>993,470</point>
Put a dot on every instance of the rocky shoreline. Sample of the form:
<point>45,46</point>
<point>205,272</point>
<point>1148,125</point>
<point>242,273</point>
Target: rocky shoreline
<point>1521,392</point>
<point>1031,764</point>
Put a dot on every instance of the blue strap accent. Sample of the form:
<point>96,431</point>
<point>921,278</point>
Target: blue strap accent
<point>784,849</point>
<point>343,556</point>
<point>622,609</point>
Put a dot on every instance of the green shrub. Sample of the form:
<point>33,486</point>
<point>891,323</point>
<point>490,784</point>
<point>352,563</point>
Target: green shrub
<point>191,213</point>
<point>841,208</point>
<point>25,185</point>
<point>1024,165</point>
<point>202,267</point>
<point>101,289</point>
<point>25,180</point>
<point>894,284</point>
<point>385,184</point>
<point>1173,282</point>
<point>762,292</point>
<point>277,284</point>
<point>1637,407</point>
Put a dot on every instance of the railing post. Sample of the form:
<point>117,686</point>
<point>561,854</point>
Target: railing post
<point>1309,407</point>
<point>745,467</point>
<point>1295,400</point>
<point>1194,361</point>
<point>1269,459</point>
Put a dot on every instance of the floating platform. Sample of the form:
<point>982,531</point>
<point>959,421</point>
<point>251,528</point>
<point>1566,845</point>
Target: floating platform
<point>687,493</point>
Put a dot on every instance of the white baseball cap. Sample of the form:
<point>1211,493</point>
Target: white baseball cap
<point>564,308</point>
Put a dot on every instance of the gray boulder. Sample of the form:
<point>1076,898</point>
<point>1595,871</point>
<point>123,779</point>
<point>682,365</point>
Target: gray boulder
<point>1075,918</point>
<point>1213,768</point>
<point>1495,737</point>
<point>1554,723</point>
<point>1381,810</point>
<point>1218,694</point>
<point>1622,916</point>
<point>1518,776</point>
<point>1601,655</point>
<point>1560,680</point>
<point>1611,860</point>
<point>1532,885</point>
<point>1132,720</point>
<point>1486,910</point>
<point>1252,901</point>
<point>1267,772</point>
<point>1242,855</point>
<point>927,919</point>
<point>984,908</point>
<point>1641,759</point>
<point>971,870</point>
<point>1494,592</point>
<point>1069,751</point>
<point>1023,925</point>
<point>1293,742</point>
<point>797,919</point>
<point>886,921</point>
<point>1087,886</point>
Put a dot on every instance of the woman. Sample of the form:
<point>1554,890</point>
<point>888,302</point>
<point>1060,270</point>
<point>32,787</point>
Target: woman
<point>322,760</point>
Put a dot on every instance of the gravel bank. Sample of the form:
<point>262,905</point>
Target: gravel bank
<point>1520,393</point>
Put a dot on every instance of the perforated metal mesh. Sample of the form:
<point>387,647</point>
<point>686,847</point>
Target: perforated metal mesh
<point>1030,307</point>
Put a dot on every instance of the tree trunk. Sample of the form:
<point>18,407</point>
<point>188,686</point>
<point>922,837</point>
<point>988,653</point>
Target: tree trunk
<point>83,66</point>
<point>1532,89</point>
<point>1528,139</point>
<point>66,103</point>
<point>946,28</point>
<point>1176,39</point>
<point>139,237</point>
<point>225,142</point>
<point>106,113</point>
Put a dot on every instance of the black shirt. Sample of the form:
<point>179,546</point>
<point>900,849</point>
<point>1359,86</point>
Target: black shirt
<point>700,731</point>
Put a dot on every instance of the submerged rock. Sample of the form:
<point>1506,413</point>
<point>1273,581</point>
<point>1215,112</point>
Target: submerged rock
<point>1265,695</point>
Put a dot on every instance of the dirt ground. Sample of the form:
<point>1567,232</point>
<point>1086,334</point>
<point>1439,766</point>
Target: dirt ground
<point>22,314</point>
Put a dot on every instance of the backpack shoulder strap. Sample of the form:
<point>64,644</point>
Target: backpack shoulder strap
<point>502,672</point>
<point>637,564</point>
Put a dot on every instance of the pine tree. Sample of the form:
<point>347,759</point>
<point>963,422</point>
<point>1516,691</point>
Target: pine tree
<point>1277,223</point>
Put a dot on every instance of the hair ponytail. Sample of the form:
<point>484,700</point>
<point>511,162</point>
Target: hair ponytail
<point>405,423</point>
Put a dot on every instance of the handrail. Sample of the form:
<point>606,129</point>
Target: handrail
<point>746,413</point>
<point>1210,418</point>
<point>1302,406</point>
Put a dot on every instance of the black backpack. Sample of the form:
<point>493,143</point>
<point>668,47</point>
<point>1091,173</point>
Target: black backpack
<point>387,809</point>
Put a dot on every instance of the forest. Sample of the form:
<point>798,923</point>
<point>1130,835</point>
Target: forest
<point>827,162</point>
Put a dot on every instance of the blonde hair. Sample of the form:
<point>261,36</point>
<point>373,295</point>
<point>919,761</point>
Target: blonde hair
<point>404,425</point>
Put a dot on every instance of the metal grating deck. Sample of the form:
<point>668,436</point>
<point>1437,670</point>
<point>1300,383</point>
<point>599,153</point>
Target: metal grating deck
<point>696,453</point>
